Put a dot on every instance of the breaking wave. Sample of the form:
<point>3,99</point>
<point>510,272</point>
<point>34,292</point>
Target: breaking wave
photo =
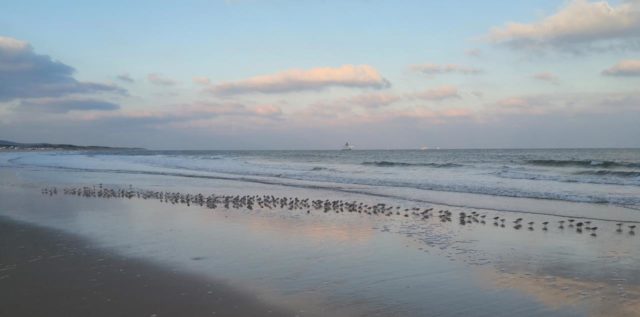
<point>581,163</point>
<point>400,164</point>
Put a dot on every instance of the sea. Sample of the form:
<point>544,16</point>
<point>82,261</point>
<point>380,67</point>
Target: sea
<point>598,181</point>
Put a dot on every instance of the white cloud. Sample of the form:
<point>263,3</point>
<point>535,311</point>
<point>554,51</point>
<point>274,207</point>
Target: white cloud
<point>355,76</point>
<point>624,68</point>
<point>579,25</point>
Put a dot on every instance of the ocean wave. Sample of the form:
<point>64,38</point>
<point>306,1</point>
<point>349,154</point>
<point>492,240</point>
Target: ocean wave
<point>400,164</point>
<point>446,180</point>
<point>581,163</point>
<point>603,177</point>
<point>283,180</point>
<point>622,174</point>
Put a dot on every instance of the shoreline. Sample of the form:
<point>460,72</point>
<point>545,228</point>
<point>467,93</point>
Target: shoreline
<point>45,272</point>
<point>544,206</point>
<point>311,263</point>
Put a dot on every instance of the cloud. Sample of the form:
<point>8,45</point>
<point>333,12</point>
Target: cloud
<point>351,76</point>
<point>187,113</point>
<point>267,110</point>
<point>435,116</point>
<point>202,81</point>
<point>519,102</point>
<point>125,77</point>
<point>64,105</point>
<point>437,69</point>
<point>571,104</point>
<point>25,74</point>
<point>373,100</point>
<point>438,94</point>
<point>372,106</point>
<point>575,27</point>
<point>624,68</point>
<point>546,76</point>
<point>160,80</point>
<point>475,52</point>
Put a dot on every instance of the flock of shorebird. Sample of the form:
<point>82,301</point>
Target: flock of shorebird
<point>252,202</point>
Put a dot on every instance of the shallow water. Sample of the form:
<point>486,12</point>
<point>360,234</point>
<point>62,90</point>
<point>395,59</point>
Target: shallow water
<point>345,264</point>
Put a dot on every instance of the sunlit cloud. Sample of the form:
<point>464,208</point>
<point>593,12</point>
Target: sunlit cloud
<point>350,76</point>
<point>267,110</point>
<point>577,26</point>
<point>624,68</point>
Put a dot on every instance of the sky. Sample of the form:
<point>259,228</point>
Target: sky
<point>262,74</point>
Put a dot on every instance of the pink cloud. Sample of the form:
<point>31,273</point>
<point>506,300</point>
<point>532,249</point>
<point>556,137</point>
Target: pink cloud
<point>14,46</point>
<point>566,104</point>
<point>579,22</point>
<point>267,110</point>
<point>438,94</point>
<point>514,102</point>
<point>353,76</point>
<point>624,68</point>
<point>546,76</point>
<point>373,100</point>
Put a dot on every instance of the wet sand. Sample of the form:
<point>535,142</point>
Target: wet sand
<point>318,263</point>
<point>45,272</point>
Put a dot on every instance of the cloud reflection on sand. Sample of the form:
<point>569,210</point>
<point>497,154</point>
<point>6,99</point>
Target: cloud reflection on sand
<point>318,232</point>
<point>597,298</point>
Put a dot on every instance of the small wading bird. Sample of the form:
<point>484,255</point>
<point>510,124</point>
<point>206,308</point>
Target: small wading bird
<point>255,203</point>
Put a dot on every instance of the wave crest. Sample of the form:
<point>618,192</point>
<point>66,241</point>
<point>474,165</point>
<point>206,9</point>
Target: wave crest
<point>581,163</point>
<point>622,174</point>
<point>398,164</point>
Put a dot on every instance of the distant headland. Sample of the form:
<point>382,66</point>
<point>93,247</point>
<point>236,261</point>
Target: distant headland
<point>8,145</point>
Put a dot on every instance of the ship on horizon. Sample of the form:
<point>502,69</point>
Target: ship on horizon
<point>347,147</point>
